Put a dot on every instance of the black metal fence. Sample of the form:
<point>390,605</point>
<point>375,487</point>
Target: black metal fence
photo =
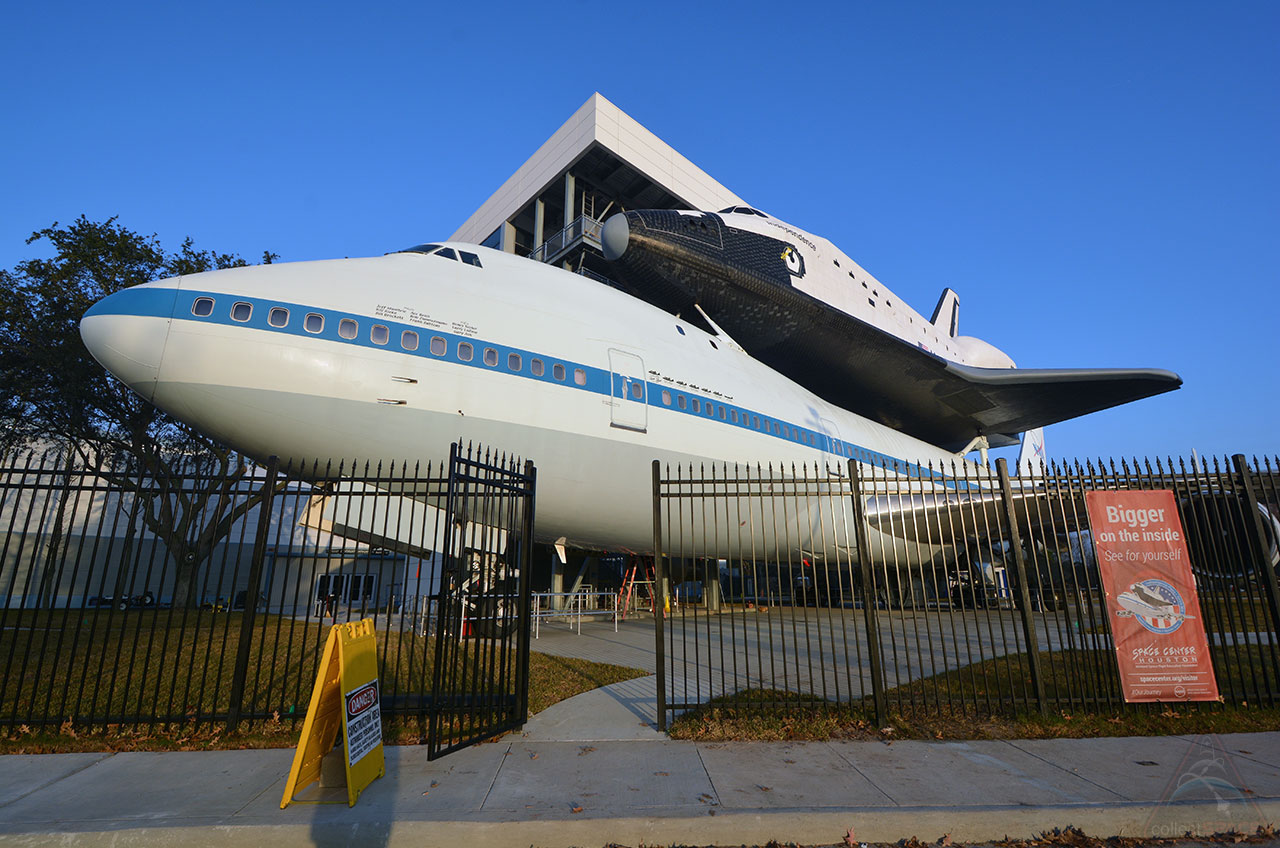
<point>134,597</point>
<point>940,589</point>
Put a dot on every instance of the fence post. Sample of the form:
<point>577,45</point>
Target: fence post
<point>1024,591</point>
<point>659,599</point>
<point>1258,545</point>
<point>525,582</point>
<point>251,594</point>
<point>870,616</point>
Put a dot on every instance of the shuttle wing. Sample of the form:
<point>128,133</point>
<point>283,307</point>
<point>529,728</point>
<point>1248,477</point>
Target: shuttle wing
<point>675,261</point>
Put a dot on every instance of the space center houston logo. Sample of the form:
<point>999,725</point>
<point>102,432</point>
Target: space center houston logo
<point>1161,648</point>
<point>364,721</point>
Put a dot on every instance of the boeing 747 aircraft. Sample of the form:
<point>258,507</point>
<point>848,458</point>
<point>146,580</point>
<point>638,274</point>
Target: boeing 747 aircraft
<point>397,356</point>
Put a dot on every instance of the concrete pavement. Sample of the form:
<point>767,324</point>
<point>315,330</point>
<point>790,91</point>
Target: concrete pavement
<point>593,771</point>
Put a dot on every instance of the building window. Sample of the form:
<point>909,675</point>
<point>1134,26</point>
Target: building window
<point>348,329</point>
<point>439,347</point>
<point>464,351</point>
<point>379,334</point>
<point>241,311</point>
<point>313,323</point>
<point>203,307</point>
<point>409,340</point>
<point>278,317</point>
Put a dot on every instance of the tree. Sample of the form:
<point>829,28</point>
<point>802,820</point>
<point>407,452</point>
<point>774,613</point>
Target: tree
<point>55,393</point>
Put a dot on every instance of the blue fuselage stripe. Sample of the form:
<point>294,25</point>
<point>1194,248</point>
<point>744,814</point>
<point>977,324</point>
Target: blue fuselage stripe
<point>158,302</point>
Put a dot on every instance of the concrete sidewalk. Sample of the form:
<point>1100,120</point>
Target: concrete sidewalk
<point>593,770</point>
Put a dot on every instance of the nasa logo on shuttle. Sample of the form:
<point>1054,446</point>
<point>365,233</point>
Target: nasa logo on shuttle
<point>795,262</point>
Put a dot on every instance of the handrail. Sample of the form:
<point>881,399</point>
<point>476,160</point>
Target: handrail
<point>584,228</point>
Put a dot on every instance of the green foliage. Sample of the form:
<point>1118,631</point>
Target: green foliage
<point>53,389</point>
<point>55,394</point>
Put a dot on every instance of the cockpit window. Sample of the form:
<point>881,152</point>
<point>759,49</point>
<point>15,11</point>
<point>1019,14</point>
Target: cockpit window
<point>447,253</point>
<point>743,210</point>
<point>420,248</point>
<point>470,258</point>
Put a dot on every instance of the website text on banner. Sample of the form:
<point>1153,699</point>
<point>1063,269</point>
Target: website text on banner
<point>1151,599</point>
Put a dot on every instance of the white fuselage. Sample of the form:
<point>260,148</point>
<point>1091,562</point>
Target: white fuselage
<point>588,382</point>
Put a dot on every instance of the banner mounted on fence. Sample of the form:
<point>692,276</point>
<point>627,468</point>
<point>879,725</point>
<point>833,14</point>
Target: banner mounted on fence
<point>345,698</point>
<point>1151,600</point>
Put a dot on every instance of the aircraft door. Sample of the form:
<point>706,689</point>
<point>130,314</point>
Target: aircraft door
<point>630,393</point>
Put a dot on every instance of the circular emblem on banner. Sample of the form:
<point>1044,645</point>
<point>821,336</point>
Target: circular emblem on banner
<point>1155,604</point>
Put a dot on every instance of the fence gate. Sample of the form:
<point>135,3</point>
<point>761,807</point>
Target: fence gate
<point>480,675</point>
<point>204,595</point>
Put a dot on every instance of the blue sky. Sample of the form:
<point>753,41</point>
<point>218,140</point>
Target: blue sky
<point>1099,181</point>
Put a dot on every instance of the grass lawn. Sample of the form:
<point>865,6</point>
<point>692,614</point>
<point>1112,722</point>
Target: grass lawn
<point>987,701</point>
<point>179,665</point>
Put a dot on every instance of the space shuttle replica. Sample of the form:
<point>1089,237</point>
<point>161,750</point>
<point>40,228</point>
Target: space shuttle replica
<point>796,303</point>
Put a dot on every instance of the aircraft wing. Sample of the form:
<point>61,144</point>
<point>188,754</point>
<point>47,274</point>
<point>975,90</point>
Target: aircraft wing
<point>946,518</point>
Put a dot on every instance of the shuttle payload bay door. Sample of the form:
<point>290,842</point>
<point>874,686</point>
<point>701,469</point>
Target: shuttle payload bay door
<point>629,408</point>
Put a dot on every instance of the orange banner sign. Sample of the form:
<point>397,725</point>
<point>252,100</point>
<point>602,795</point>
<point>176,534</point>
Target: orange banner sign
<point>1151,599</point>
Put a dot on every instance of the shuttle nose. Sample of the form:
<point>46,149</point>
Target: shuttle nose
<point>126,332</point>
<point>614,236</point>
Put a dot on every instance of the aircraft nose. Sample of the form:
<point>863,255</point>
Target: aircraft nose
<point>126,332</point>
<point>614,236</point>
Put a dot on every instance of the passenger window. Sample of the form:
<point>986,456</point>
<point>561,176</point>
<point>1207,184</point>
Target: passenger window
<point>241,311</point>
<point>347,328</point>
<point>464,351</point>
<point>535,365</point>
<point>733,416</point>
<point>438,346</point>
<point>697,404</point>
<point>278,316</point>
<point>680,402</point>
<point>637,389</point>
<point>314,322</point>
<point>379,334</point>
<point>755,421</point>
<point>409,340</point>
<point>447,253</point>
<point>720,412</point>
<point>711,410</point>
<point>470,258</point>
<point>579,376</point>
<point>666,398</point>
<point>203,307</point>
<point>557,371</point>
<point>490,357</point>
<point>513,362</point>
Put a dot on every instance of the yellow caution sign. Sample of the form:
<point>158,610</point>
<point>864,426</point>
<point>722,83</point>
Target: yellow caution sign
<point>345,698</point>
